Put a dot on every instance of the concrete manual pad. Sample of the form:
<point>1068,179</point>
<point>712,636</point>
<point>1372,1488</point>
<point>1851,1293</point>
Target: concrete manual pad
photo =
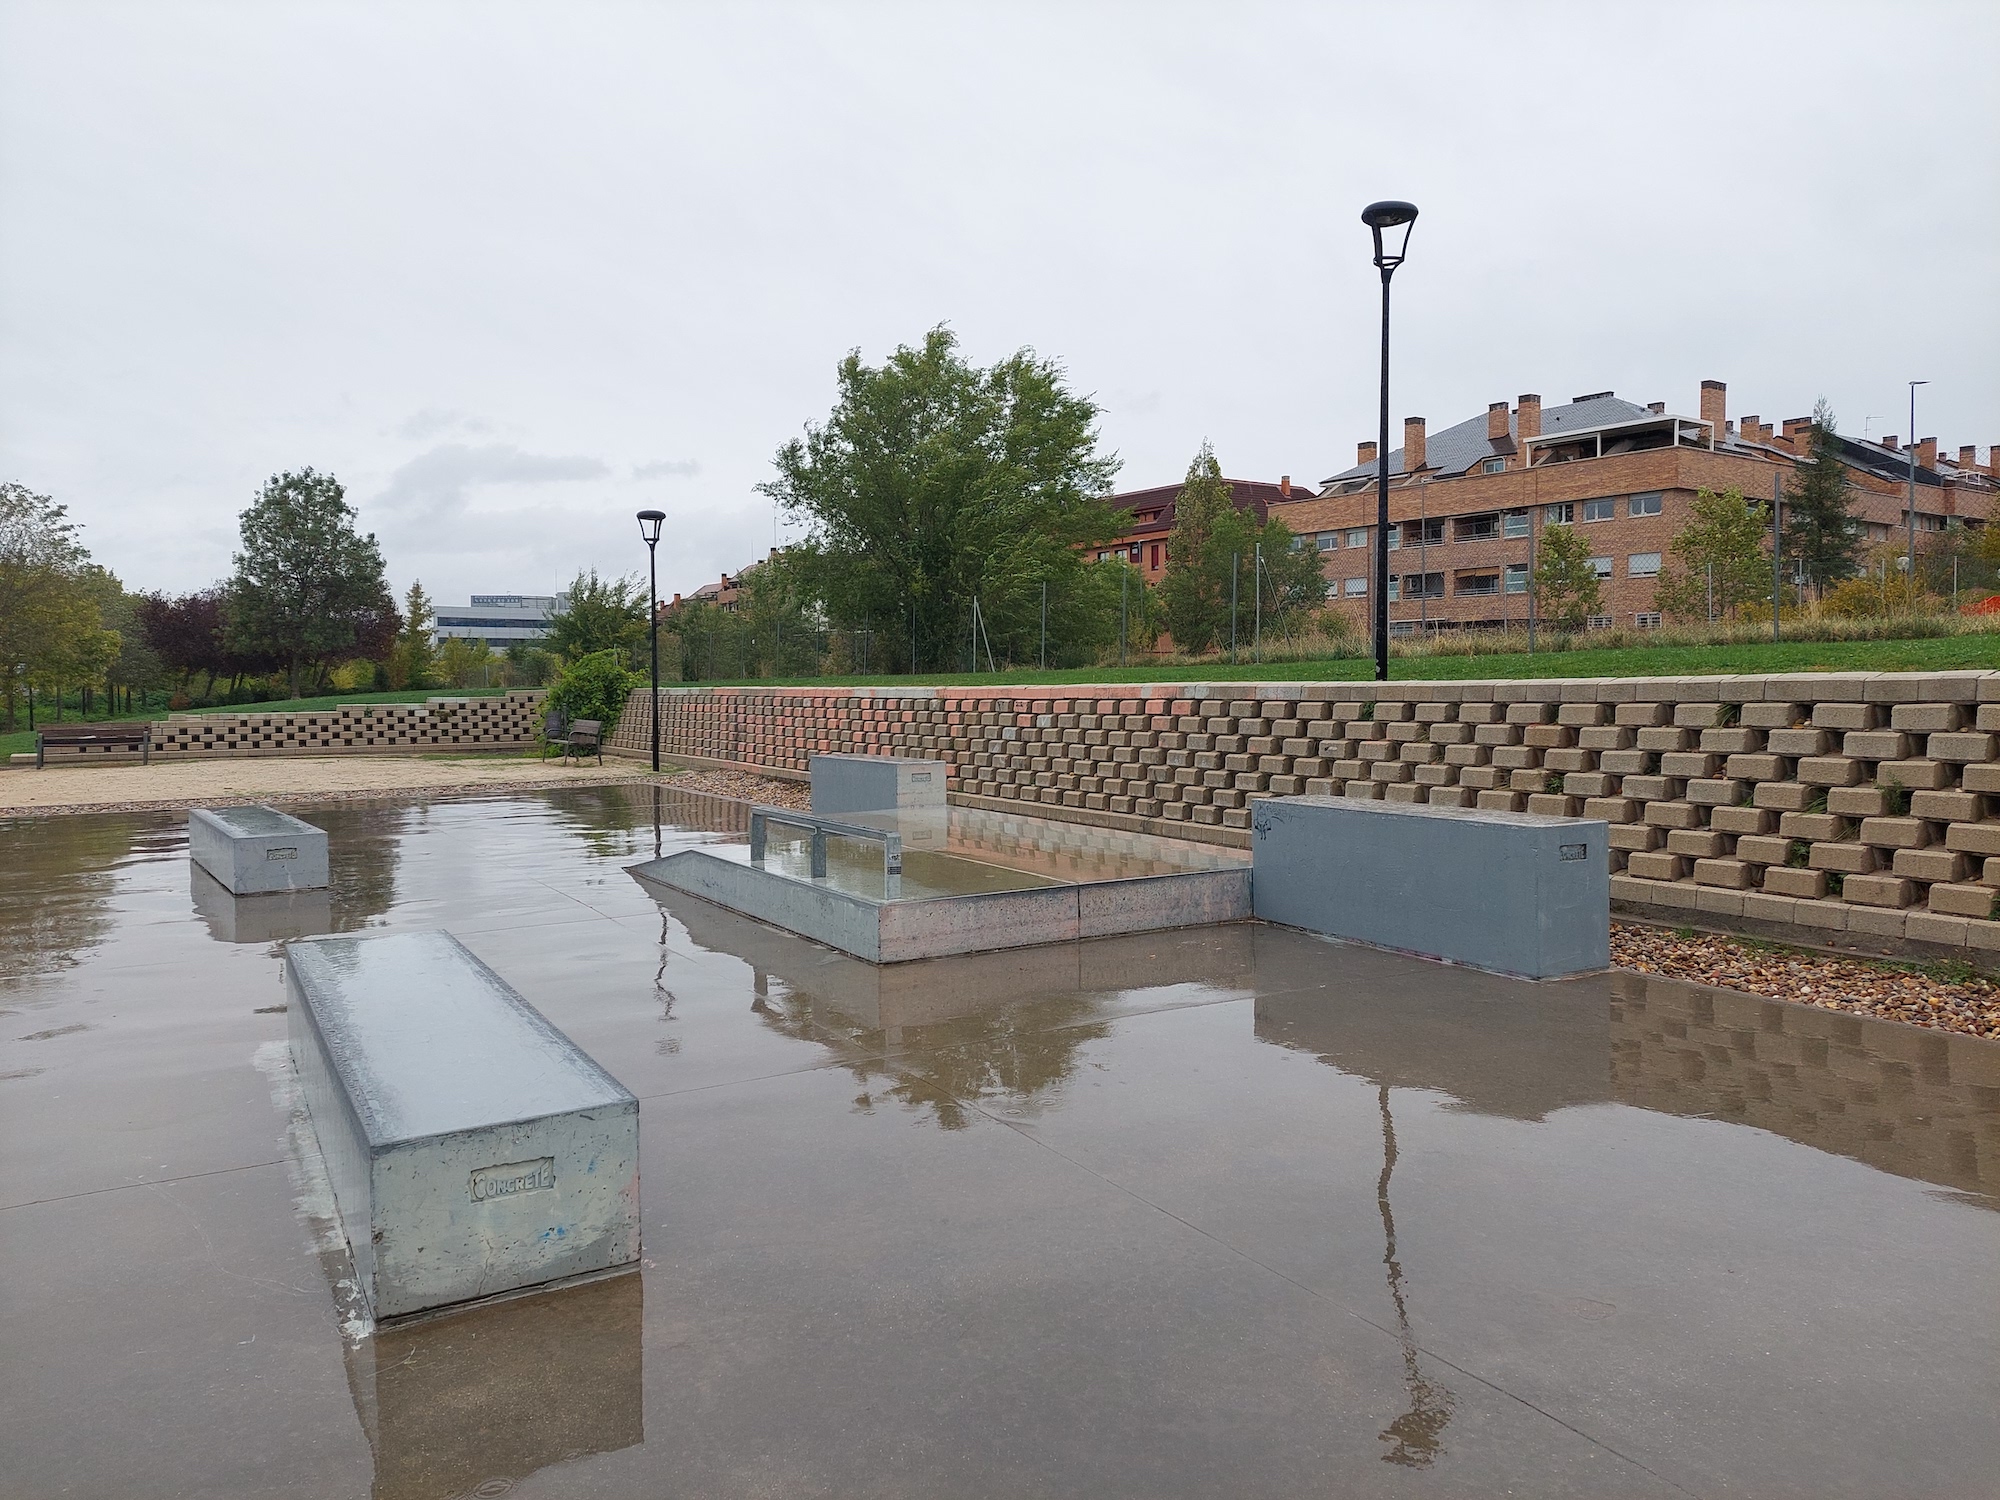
<point>1512,893</point>
<point>252,851</point>
<point>875,783</point>
<point>472,1148</point>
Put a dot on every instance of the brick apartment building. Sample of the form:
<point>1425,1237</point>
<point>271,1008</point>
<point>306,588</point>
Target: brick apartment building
<point>1467,505</point>
<point>1145,544</point>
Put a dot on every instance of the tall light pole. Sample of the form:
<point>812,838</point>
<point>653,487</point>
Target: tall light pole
<point>1910,565</point>
<point>1390,215</point>
<point>650,522</point>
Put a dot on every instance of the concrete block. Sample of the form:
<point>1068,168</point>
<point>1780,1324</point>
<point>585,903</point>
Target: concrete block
<point>1876,922</point>
<point>1928,927</point>
<point>875,783</point>
<point>1964,901</point>
<point>255,850</point>
<point>472,1147</point>
<point>1762,906</point>
<point>1804,885</point>
<point>1524,895</point>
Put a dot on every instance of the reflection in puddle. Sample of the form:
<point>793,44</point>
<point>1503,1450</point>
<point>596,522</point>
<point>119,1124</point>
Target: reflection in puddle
<point>276,917</point>
<point>472,1401</point>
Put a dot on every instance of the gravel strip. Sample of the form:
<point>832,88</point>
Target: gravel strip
<point>1947,995</point>
<point>745,787</point>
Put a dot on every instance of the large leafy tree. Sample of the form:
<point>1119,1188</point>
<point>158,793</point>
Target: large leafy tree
<point>51,628</point>
<point>934,483</point>
<point>1722,560</point>
<point>1821,530</point>
<point>599,614</point>
<point>308,588</point>
<point>1567,592</point>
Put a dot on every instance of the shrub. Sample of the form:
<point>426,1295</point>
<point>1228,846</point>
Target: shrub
<point>595,687</point>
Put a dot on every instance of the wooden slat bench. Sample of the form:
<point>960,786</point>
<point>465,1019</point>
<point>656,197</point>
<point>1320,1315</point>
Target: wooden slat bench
<point>86,737</point>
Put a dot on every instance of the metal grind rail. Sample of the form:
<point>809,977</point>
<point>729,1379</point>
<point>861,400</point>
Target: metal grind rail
<point>892,842</point>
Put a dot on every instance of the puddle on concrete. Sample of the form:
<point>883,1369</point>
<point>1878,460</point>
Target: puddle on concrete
<point>1222,1210</point>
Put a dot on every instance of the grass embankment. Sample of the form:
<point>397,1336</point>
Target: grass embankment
<point>22,741</point>
<point>1938,654</point>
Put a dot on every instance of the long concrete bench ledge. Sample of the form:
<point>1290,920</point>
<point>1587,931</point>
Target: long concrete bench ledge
<point>473,1148</point>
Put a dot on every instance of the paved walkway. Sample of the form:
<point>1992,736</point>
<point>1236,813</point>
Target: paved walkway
<point>62,789</point>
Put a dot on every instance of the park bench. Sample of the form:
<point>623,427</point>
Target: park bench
<point>586,737</point>
<point>555,732</point>
<point>83,738</point>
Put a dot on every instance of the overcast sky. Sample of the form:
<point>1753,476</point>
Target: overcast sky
<point>513,272</point>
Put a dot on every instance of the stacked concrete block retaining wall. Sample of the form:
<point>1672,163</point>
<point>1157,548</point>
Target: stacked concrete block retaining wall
<point>1862,804</point>
<point>501,722</point>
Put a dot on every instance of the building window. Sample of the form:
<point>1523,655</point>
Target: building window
<point>1429,533</point>
<point>1395,588</point>
<point>1353,588</point>
<point>1156,555</point>
<point>1423,586</point>
<point>1104,556</point>
<point>1402,627</point>
<point>1395,537</point>
<point>1601,566</point>
<point>1644,505</point>
<point>1517,578</point>
<point>1643,565</point>
<point>1599,510</point>
<point>1357,536</point>
<point>1494,466</point>
<point>1597,622</point>
<point>1514,523</point>
<point>1476,528</point>
<point>1562,513</point>
<point>1299,543</point>
<point>1134,552</point>
<point>1328,540</point>
<point>1647,620</point>
<point>1479,583</point>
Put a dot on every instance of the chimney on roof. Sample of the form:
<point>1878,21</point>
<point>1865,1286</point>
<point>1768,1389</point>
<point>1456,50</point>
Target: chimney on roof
<point>1527,417</point>
<point>1751,429</point>
<point>677,601</point>
<point>1891,441</point>
<point>1798,434</point>
<point>1284,486</point>
<point>1968,457</point>
<point>1364,453</point>
<point>1927,453</point>
<point>1496,420</point>
<point>1715,405</point>
<point>1659,409</point>
<point>1413,444</point>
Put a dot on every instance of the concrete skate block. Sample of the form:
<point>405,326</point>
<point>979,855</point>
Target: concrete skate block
<point>255,850</point>
<point>1514,893</point>
<point>473,1149</point>
<point>875,783</point>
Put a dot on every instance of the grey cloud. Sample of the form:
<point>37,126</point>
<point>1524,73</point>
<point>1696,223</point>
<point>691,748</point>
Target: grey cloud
<point>433,420</point>
<point>429,494</point>
<point>667,468</point>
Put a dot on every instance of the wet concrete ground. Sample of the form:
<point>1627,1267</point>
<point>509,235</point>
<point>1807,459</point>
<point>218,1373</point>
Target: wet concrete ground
<point>1232,1211</point>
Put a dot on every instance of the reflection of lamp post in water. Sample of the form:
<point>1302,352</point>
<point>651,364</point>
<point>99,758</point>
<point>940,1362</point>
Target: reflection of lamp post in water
<point>1415,1432</point>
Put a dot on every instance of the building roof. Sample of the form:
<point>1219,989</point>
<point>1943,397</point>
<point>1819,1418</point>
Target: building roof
<point>1158,502</point>
<point>1455,450</point>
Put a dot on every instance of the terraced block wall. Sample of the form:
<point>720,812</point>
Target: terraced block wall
<point>506,721</point>
<point>1866,804</point>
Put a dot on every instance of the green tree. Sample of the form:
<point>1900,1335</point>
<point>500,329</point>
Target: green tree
<point>1722,559</point>
<point>599,614</point>
<point>413,662</point>
<point>1821,530</point>
<point>308,587</point>
<point>1294,581</point>
<point>1565,584</point>
<point>51,630</point>
<point>464,662</point>
<point>934,483</point>
<point>529,665</point>
<point>1202,549</point>
<point>595,687</point>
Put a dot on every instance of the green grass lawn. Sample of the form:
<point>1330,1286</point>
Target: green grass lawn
<point>1939,654</point>
<point>22,741</point>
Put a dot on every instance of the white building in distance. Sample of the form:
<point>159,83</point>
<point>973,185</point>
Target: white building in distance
<point>500,620</point>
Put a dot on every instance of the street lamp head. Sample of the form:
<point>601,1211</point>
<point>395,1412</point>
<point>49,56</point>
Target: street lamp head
<point>1396,217</point>
<point>650,522</point>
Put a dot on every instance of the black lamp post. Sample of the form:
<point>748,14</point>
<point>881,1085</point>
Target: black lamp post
<point>1392,216</point>
<point>650,522</point>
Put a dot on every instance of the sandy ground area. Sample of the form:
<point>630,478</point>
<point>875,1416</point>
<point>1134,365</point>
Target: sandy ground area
<point>190,783</point>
